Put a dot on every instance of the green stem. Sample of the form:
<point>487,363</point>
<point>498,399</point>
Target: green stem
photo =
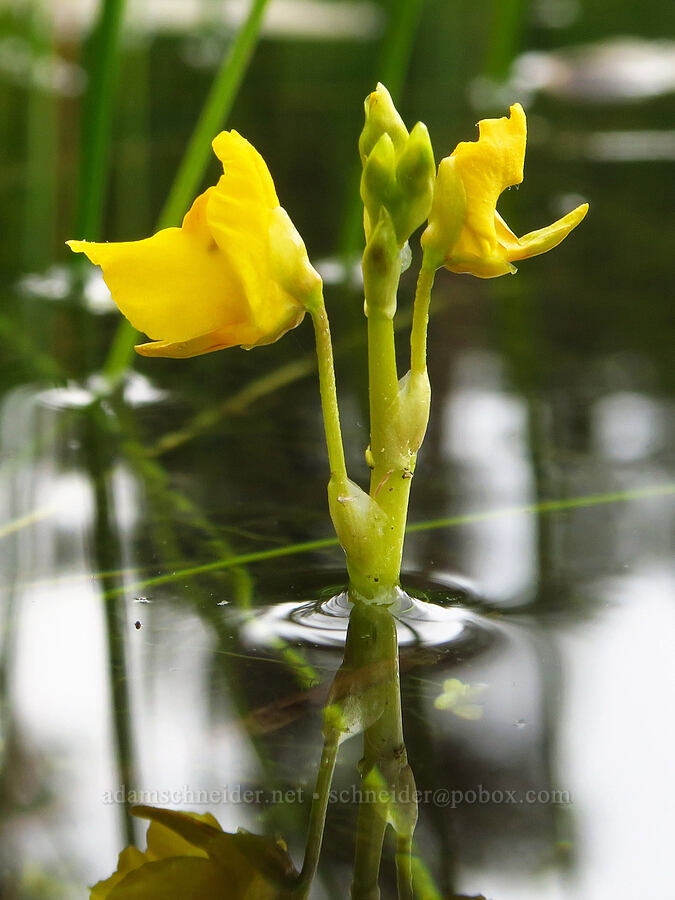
<point>196,158</point>
<point>398,417</point>
<point>418,333</point>
<point>389,480</point>
<point>317,816</point>
<point>506,36</point>
<point>382,385</point>
<point>329,401</point>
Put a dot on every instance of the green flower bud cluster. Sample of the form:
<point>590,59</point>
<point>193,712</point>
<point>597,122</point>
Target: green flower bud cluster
<point>398,168</point>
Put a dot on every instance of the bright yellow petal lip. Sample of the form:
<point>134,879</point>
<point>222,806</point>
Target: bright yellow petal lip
<point>236,273</point>
<point>466,234</point>
<point>205,343</point>
<point>171,286</point>
<point>547,238</point>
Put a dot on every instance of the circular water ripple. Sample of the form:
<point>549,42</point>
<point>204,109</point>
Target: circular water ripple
<point>427,614</point>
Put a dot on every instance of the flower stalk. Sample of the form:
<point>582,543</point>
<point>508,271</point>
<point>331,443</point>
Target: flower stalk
<point>328,391</point>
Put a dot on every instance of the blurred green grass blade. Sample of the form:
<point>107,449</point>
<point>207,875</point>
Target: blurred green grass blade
<point>97,116</point>
<point>391,69</point>
<point>546,506</point>
<point>21,350</point>
<point>505,37</point>
<point>25,521</point>
<point>41,155</point>
<point>397,47</point>
<point>196,158</point>
<point>216,109</point>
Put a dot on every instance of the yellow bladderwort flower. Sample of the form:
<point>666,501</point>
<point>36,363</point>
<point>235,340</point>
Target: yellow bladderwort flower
<point>465,232</point>
<point>189,857</point>
<point>235,273</point>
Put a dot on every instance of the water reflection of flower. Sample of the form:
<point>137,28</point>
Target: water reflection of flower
<point>189,857</point>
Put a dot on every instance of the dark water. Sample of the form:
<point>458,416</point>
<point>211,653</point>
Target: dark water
<point>542,502</point>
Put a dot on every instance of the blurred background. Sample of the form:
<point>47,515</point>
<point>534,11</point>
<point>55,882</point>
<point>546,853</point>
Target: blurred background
<point>162,522</point>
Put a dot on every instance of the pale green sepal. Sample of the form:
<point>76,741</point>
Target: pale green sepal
<point>406,423</point>
<point>354,705</point>
<point>414,404</point>
<point>359,523</point>
<point>289,260</point>
<point>446,219</point>
<point>403,810</point>
<point>392,786</point>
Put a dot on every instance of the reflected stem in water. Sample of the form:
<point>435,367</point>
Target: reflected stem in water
<point>365,698</point>
<point>317,816</point>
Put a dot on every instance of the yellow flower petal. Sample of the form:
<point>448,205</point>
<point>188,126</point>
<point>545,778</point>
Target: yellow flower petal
<point>179,878</point>
<point>204,343</point>
<point>245,168</point>
<point>465,231</point>
<point>128,860</point>
<point>163,842</point>
<point>172,286</point>
<point>235,273</point>
<point>471,711</point>
<point>547,238</point>
<point>260,242</point>
<point>487,167</point>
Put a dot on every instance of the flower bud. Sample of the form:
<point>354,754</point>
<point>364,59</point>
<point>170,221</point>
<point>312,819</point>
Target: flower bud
<point>415,174</point>
<point>398,168</point>
<point>378,181</point>
<point>381,118</point>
